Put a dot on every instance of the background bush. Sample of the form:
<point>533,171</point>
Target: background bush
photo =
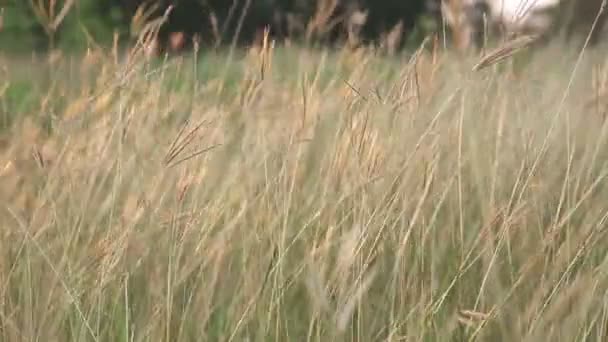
<point>99,20</point>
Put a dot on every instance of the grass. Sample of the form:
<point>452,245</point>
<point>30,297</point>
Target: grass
<point>311,196</point>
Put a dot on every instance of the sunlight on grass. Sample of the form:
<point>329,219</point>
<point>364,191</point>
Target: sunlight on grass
<point>302,195</point>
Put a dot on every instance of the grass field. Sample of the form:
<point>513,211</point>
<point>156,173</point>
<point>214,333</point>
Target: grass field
<point>302,195</point>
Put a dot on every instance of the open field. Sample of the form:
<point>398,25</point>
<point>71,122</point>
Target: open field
<point>300,195</point>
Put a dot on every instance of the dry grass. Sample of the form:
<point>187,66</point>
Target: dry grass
<point>323,196</point>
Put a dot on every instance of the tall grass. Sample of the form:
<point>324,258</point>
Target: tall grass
<point>299,195</point>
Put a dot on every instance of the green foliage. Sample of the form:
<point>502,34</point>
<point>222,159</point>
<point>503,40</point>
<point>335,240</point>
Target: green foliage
<point>87,19</point>
<point>21,30</point>
<point>20,97</point>
<point>93,20</point>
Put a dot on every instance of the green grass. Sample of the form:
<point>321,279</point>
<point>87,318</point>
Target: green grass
<point>335,196</point>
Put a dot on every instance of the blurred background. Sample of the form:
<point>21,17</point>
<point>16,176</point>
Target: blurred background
<point>76,24</point>
<point>39,25</point>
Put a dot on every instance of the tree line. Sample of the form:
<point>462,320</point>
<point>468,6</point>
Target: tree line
<point>67,24</point>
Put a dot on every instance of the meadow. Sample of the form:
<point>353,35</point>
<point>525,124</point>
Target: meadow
<point>295,194</point>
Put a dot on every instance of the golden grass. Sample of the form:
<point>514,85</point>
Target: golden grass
<point>319,197</point>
